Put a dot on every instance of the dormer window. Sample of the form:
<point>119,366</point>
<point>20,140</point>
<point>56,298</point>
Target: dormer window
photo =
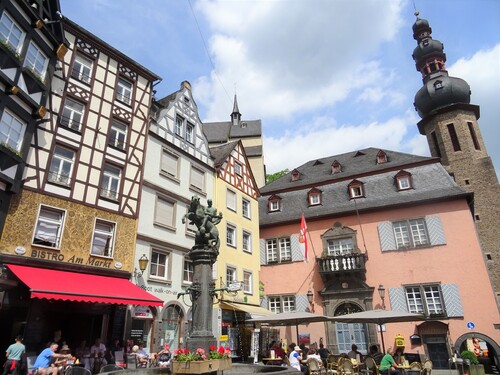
<point>403,180</point>
<point>438,85</point>
<point>295,175</point>
<point>356,189</point>
<point>381,157</point>
<point>314,197</point>
<point>336,167</point>
<point>274,203</point>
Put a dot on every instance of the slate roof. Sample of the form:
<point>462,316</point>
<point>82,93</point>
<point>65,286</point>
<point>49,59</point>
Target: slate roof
<point>355,163</point>
<point>222,152</point>
<point>430,181</point>
<point>224,131</point>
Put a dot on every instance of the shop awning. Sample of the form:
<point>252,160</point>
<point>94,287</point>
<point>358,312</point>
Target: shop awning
<point>251,309</point>
<point>82,287</point>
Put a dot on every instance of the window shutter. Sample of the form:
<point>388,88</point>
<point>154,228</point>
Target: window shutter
<point>397,297</point>
<point>386,236</point>
<point>264,302</point>
<point>435,229</point>
<point>297,254</point>
<point>169,163</point>
<point>197,178</point>
<point>263,255</point>
<point>165,212</point>
<point>452,300</point>
<point>301,303</point>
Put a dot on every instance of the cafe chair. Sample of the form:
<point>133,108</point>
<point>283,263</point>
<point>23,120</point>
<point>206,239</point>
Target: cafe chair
<point>73,370</point>
<point>347,368</point>
<point>427,369</point>
<point>371,367</point>
<point>415,368</point>
<point>111,367</point>
<point>286,360</point>
<point>314,367</point>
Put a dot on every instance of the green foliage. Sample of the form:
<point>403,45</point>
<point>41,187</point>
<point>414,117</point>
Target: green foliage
<point>467,354</point>
<point>273,177</point>
<point>11,149</point>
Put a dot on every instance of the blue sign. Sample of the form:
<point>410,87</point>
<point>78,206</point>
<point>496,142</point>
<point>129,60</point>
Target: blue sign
<point>470,325</point>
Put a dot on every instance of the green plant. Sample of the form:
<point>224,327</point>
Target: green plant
<point>11,149</point>
<point>184,355</point>
<point>10,48</point>
<point>467,354</point>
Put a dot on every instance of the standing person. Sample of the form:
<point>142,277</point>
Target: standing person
<point>388,365</point>
<point>295,359</point>
<point>14,353</point>
<point>323,352</point>
<point>45,358</point>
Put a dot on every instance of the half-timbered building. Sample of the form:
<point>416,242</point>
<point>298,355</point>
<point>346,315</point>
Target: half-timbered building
<point>75,219</point>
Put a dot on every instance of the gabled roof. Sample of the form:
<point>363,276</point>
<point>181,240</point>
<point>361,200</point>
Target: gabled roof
<point>356,163</point>
<point>225,131</point>
<point>222,152</point>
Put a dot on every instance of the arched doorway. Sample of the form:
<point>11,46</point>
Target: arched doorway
<point>350,333</point>
<point>490,357</point>
<point>171,326</point>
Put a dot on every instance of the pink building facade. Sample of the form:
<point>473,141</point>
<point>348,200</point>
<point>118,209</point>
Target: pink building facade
<point>377,217</point>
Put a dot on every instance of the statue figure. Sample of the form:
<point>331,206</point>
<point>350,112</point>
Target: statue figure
<point>205,220</point>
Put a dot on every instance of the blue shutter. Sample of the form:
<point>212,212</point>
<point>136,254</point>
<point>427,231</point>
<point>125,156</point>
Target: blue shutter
<point>263,255</point>
<point>435,229</point>
<point>297,254</point>
<point>386,236</point>
<point>397,297</point>
<point>452,300</point>
<point>264,303</point>
<point>301,302</point>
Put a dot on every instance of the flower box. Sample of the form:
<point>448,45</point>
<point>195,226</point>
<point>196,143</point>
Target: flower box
<point>200,367</point>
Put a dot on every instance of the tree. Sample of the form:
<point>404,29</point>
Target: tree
<point>273,177</point>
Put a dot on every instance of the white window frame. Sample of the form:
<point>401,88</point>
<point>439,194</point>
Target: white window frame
<point>124,91</point>
<point>169,164</point>
<point>36,60</point>
<point>118,135</point>
<point>160,201</point>
<point>278,250</point>
<point>13,26</point>
<point>72,115</point>
<point>61,166</point>
<point>410,233</point>
<point>404,183</point>
<point>12,130</point>
<point>40,239</point>
<point>247,282</point>
<point>280,304</point>
<point>231,200</point>
<point>109,234</point>
<point>231,235</point>
<point>356,191</point>
<point>238,169</point>
<point>190,133</point>
<point>159,267</point>
<point>110,180</point>
<point>247,242</point>
<point>201,176</point>
<point>82,69</point>
<point>314,199</point>
<point>246,208</point>
<point>425,299</point>
<point>187,271</point>
<point>231,275</point>
<point>340,246</point>
<point>179,125</point>
<point>274,205</point>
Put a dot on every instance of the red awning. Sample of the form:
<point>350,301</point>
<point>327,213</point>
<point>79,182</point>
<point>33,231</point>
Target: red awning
<point>82,287</point>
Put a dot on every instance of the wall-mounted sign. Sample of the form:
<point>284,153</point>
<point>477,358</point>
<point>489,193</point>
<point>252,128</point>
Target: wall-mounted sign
<point>142,312</point>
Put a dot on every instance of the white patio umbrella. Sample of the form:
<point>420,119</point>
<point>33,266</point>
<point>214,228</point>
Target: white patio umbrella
<point>293,318</point>
<point>379,317</point>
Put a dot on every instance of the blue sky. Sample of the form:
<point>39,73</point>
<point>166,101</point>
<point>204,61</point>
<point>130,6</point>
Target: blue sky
<point>324,76</point>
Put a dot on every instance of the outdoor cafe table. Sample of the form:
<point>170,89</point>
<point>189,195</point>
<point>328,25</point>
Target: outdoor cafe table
<point>267,361</point>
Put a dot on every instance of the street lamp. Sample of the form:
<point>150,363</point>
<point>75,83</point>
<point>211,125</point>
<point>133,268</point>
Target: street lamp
<point>143,264</point>
<point>381,293</point>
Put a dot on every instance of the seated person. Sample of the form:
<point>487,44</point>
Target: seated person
<point>164,356</point>
<point>314,356</point>
<point>62,363</point>
<point>388,365</point>
<point>141,355</point>
<point>279,353</point>
<point>43,363</point>
<point>376,355</point>
<point>82,354</point>
<point>399,357</point>
<point>323,352</point>
<point>354,353</point>
<point>97,352</point>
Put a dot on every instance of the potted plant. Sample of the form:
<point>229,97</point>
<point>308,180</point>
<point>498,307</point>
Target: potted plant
<point>199,362</point>
<point>471,363</point>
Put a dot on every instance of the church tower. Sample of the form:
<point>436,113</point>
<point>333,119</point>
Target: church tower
<point>450,124</point>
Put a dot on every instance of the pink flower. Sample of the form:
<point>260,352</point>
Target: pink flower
<point>203,356</point>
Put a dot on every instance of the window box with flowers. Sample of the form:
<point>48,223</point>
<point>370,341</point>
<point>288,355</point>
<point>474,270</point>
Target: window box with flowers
<point>199,362</point>
<point>9,57</point>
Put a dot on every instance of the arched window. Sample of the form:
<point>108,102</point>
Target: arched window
<point>171,326</point>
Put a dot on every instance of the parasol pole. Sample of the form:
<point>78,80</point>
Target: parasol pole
<point>382,338</point>
<point>297,328</point>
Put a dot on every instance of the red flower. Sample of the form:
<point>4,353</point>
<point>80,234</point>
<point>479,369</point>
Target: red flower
<point>221,350</point>
<point>213,347</point>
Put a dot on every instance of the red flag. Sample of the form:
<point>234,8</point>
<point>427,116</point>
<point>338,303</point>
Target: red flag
<point>303,236</point>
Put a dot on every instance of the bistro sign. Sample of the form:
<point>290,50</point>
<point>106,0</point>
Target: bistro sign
<point>48,255</point>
